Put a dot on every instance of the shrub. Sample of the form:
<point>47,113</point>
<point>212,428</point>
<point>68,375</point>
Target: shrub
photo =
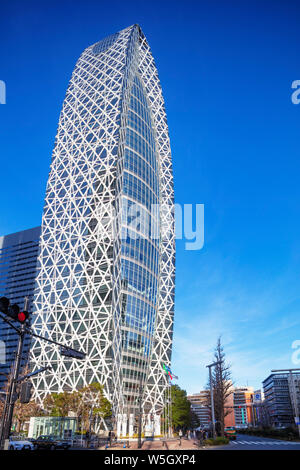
<point>265,431</point>
<point>219,441</point>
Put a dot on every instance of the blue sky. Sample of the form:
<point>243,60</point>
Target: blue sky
<point>226,70</point>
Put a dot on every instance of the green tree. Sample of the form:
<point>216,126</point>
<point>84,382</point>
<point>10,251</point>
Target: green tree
<point>58,404</point>
<point>85,403</point>
<point>92,403</point>
<point>194,420</point>
<point>180,408</point>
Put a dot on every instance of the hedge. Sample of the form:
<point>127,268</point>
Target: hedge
<point>219,441</point>
<point>287,433</point>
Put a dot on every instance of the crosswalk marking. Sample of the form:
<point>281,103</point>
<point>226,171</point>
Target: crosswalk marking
<point>266,443</point>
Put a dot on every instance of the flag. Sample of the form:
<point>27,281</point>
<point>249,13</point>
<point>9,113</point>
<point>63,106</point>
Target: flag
<point>169,372</point>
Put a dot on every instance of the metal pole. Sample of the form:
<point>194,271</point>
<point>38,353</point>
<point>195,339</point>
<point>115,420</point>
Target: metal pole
<point>10,398</point>
<point>212,396</point>
<point>171,416</point>
<point>212,403</point>
<point>11,403</point>
<point>169,410</point>
<point>3,420</point>
<point>140,415</point>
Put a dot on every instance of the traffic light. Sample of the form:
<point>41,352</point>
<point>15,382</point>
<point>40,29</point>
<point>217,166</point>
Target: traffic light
<point>22,316</point>
<point>13,311</point>
<point>4,304</point>
<point>25,392</point>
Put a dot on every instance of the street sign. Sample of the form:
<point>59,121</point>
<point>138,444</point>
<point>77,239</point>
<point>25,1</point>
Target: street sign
<point>69,352</point>
<point>297,420</point>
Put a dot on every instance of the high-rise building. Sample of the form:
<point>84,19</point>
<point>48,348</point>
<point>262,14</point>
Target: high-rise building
<point>107,264</point>
<point>18,260</point>
<point>282,398</point>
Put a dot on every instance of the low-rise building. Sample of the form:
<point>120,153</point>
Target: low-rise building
<point>243,406</point>
<point>200,406</point>
<point>62,427</point>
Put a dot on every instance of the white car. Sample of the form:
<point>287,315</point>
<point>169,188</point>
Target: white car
<point>19,444</point>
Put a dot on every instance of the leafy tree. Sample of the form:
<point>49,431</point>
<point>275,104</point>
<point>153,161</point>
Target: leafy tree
<point>58,404</point>
<point>180,408</point>
<point>194,420</point>
<point>92,403</point>
<point>86,403</point>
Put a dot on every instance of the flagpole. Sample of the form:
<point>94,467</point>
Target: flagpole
<point>167,413</point>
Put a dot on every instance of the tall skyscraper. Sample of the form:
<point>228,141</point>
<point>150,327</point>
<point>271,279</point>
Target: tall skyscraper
<point>107,264</point>
<point>18,260</point>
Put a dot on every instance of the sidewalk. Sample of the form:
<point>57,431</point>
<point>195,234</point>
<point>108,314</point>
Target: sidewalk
<point>170,444</point>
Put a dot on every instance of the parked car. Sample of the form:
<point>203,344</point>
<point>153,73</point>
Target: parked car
<point>50,442</point>
<point>62,444</point>
<point>19,443</point>
<point>230,433</point>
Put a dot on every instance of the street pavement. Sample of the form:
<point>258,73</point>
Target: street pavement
<point>245,442</point>
<point>170,444</point>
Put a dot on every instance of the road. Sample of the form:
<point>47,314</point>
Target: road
<point>245,442</point>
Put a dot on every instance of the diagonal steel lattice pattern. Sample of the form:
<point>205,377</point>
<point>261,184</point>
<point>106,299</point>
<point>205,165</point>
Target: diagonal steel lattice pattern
<point>114,95</point>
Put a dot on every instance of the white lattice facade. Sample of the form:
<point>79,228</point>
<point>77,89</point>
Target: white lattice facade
<point>99,291</point>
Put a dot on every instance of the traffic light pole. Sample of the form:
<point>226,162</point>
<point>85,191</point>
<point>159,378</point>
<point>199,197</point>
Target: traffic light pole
<point>11,394</point>
<point>10,399</point>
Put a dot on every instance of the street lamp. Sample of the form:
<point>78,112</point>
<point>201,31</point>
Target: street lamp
<point>212,396</point>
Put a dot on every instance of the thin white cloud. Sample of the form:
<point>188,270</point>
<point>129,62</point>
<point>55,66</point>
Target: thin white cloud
<point>256,324</point>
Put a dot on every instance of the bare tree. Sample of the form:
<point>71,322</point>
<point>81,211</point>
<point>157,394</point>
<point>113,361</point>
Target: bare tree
<point>22,411</point>
<point>222,387</point>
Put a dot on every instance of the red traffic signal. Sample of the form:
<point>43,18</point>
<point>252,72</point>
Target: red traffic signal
<point>23,316</point>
